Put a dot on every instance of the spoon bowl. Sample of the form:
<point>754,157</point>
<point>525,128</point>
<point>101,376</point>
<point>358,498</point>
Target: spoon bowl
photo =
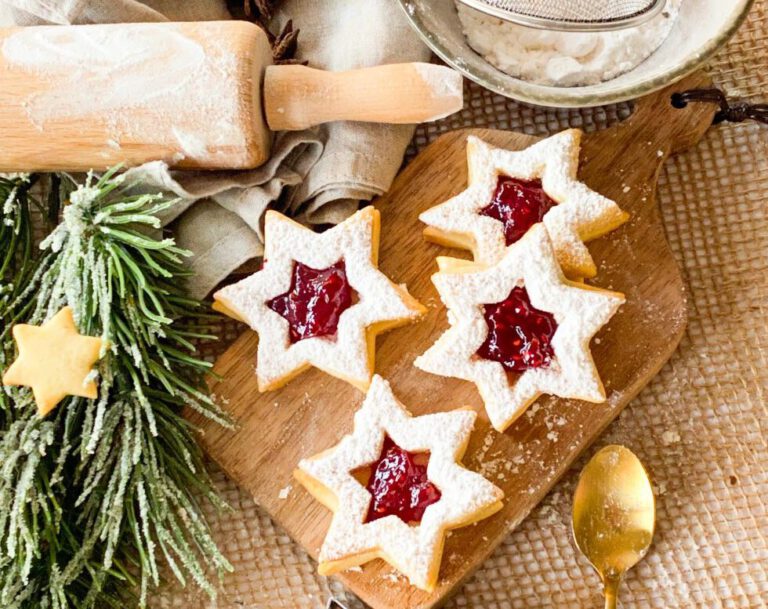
<point>614,515</point>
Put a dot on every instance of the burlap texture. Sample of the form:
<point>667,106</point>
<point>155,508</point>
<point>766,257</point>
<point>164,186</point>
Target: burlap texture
<point>700,426</point>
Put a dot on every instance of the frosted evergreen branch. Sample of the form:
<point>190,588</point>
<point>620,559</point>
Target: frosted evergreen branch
<point>97,496</point>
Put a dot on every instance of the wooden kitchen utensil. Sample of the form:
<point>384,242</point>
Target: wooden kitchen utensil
<point>310,414</point>
<point>197,95</point>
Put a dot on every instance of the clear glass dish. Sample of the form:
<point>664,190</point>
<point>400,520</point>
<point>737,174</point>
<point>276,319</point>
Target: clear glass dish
<point>702,27</point>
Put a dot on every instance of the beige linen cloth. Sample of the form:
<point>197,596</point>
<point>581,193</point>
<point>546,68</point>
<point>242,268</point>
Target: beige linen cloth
<point>317,175</point>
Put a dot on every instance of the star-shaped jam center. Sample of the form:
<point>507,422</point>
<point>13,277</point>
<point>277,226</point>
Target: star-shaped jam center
<point>399,485</point>
<point>518,205</point>
<point>519,335</point>
<point>315,301</point>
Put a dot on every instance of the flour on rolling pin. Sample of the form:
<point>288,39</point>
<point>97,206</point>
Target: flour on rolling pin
<point>106,72</point>
<point>436,81</point>
<point>201,95</point>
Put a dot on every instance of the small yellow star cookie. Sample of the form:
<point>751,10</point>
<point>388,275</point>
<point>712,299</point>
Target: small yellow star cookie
<point>396,486</point>
<point>55,360</point>
<point>510,191</point>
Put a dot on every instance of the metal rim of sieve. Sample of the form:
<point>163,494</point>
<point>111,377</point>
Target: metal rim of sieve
<point>504,10</point>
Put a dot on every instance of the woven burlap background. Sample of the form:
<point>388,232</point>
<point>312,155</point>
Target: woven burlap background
<point>700,426</point>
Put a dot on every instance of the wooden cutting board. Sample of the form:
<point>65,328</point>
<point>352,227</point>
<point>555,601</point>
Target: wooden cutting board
<point>311,413</point>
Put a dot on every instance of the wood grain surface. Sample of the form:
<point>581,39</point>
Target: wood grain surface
<point>188,93</point>
<point>311,413</point>
<point>148,107</point>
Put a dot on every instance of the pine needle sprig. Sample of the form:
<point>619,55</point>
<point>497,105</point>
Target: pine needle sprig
<point>16,226</point>
<point>17,266</point>
<point>105,492</point>
<point>25,523</point>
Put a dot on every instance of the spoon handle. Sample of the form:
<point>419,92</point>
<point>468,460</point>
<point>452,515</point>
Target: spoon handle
<point>611,590</point>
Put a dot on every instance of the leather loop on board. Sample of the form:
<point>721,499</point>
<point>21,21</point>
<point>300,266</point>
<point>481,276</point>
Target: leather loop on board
<point>737,112</point>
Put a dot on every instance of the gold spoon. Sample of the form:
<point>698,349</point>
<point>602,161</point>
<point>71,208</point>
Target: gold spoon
<point>613,515</point>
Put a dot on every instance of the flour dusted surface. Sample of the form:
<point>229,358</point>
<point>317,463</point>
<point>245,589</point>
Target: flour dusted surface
<point>144,82</point>
<point>564,58</point>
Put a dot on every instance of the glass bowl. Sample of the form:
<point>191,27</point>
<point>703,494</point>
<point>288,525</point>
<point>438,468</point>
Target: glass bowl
<point>702,27</point>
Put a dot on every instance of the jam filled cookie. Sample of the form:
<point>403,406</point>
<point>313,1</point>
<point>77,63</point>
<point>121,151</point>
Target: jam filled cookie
<point>319,300</point>
<point>519,329</point>
<point>395,486</point>
<point>511,191</point>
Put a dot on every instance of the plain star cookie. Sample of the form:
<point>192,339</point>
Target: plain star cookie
<point>395,486</point>
<point>509,191</point>
<point>519,329</point>
<point>319,300</point>
<point>55,360</point>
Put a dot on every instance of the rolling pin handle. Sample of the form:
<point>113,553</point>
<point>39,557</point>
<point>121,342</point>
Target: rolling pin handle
<point>297,97</point>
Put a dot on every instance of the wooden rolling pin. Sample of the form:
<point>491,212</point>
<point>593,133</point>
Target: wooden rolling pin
<point>197,95</point>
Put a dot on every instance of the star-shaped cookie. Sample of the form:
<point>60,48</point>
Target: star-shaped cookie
<point>414,549</point>
<point>55,360</point>
<point>267,299</point>
<point>548,344</point>
<point>572,214</point>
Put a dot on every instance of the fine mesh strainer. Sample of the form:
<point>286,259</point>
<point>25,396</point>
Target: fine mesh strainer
<point>571,15</point>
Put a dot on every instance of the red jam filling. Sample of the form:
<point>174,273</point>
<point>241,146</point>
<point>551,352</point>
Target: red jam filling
<point>399,485</point>
<point>315,302</point>
<point>518,205</point>
<point>519,335</point>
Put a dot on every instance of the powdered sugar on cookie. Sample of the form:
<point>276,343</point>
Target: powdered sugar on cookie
<point>579,313</point>
<point>416,551</point>
<point>579,214</point>
<point>348,353</point>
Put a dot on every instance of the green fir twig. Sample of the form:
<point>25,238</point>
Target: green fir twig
<point>103,495</point>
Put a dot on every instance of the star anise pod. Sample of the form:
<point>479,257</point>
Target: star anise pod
<point>258,9</point>
<point>284,45</point>
<point>260,12</point>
